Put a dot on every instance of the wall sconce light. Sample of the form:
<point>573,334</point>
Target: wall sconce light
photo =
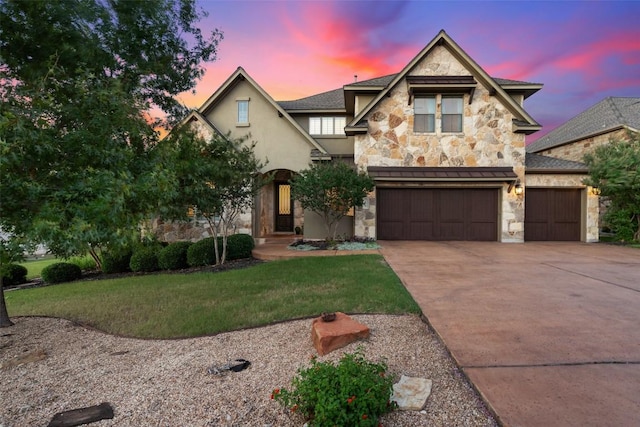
<point>517,188</point>
<point>595,191</point>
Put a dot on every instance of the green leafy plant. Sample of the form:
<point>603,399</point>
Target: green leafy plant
<point>15,274</point>
<point>239,246</point>
<point>61,272</point>
<point>354,392</point>
<point>116,261</point>
<point>174,256</point>
<point>145,259</point>
<point>202,252</point>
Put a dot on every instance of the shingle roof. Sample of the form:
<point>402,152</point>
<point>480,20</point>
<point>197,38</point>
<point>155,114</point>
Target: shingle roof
<point>331,100</point>
<point>608,114</point>
<point>539,163</point>
<point>334,99</point>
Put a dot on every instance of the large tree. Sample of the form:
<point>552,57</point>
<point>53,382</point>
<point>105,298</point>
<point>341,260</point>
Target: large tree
<point>331,189</point>
<point>80,81</point>
<point>615,169</point>
<point>218,178</point>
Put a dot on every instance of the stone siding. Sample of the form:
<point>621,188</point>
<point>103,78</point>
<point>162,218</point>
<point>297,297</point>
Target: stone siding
<point>590,202</point>
<point>195,229</point>
<point>486,140</point>
<point>576,150</point>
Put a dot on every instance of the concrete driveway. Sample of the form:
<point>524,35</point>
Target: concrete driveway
<point>549,333</point>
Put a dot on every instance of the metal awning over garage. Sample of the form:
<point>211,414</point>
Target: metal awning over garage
<point>442,174</point>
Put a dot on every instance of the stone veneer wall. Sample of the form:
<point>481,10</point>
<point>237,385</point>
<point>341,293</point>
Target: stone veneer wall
<point>486,140</point>
<point>590,202</point>
<point>195,229</point>
<point>576,150</point>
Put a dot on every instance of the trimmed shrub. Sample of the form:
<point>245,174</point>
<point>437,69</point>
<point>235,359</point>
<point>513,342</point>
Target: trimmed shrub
<point>116,261</point>
<point>203,252</point>
<point>174,256</point>
<point>144,259</point>
<point>239,246</point>
<point>15,275</point>
<point>61,272</point>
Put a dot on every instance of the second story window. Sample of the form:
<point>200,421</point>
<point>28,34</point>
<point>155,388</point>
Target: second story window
<point>327,125</point>
<point>243,111</point>
<point>424,119</point>
<point>452,114</point>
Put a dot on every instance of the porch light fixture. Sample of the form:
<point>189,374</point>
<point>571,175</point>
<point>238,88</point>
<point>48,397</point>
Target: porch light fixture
<point>595,191</point>
<point>519,190</point>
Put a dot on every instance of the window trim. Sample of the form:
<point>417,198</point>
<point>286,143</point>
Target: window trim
<point>439,116</point>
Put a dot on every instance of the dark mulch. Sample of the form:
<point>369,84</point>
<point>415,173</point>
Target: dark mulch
<point>98,275</point>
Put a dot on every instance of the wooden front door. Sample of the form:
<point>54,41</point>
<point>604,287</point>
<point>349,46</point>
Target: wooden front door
<point>284,207</point>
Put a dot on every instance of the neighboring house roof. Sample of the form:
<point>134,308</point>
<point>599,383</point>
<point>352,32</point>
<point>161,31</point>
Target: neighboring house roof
<point>536,163</point>
<point>520,115</point>
<point>241,75</point>
<point>608,115</point>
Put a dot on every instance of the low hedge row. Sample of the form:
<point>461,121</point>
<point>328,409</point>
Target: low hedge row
<point>176,256</point>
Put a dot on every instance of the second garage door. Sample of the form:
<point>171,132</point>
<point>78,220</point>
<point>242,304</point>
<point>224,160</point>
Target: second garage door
<point>552,214</point>
<point>437,213</point>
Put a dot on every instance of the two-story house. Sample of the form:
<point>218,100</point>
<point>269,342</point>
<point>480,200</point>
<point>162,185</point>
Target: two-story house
<point>444,141</point>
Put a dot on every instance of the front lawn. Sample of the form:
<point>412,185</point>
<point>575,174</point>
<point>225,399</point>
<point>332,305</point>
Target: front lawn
<point>186,305</point>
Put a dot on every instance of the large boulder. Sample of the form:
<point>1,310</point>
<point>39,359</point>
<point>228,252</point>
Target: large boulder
<point>328,336</point>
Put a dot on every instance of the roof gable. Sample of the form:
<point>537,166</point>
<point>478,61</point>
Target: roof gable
<point>610,114</point>
<point>443,39</point>
<point>241,75</point>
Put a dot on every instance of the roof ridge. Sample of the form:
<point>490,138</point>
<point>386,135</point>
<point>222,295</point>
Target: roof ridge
<point>615,109</point>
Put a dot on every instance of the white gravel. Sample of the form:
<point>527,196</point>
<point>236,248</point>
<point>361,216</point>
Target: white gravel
<point>165,382</point>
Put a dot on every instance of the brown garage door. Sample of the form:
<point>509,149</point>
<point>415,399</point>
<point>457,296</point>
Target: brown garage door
<point>552,214</point>
<point>437,214</point>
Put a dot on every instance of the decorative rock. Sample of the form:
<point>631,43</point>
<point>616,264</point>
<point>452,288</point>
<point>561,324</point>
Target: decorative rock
<point>328,336</point>
<point>411,393</point>
<point>81,416</point>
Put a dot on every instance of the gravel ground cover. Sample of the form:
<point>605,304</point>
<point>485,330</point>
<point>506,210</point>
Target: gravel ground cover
<point>53,365</point>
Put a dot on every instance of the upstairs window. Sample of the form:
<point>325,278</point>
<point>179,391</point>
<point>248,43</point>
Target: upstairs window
<point>327,125</point>
<point>452,114</point>
<point>424,119</point>
<point>243,111</point>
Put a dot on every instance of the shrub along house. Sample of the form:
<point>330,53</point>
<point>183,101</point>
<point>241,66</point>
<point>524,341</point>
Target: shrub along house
<point>444,141</point>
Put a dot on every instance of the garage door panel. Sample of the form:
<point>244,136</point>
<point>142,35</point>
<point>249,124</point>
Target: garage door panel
<point>438,214</point>
<point>552,214</point>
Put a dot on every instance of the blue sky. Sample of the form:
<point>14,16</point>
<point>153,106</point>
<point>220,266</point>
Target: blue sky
<point>582,51</point>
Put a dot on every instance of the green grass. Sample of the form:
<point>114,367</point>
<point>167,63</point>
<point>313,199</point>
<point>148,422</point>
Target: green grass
<point>186,305</point>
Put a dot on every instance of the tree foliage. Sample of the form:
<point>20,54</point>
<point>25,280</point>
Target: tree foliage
<point>331,190</point>
<point>79,156</point>
<point>219,178</point>
<point>615,169</point>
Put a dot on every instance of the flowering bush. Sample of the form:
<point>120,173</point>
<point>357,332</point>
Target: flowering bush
<point>355,392</point>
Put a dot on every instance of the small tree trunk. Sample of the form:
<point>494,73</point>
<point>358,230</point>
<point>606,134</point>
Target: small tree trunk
<point>4,316</point>
<point>636,235</point>
<point>96,257</point>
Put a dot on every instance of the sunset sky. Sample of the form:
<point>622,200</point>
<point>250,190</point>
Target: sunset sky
<point>581,51</point>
